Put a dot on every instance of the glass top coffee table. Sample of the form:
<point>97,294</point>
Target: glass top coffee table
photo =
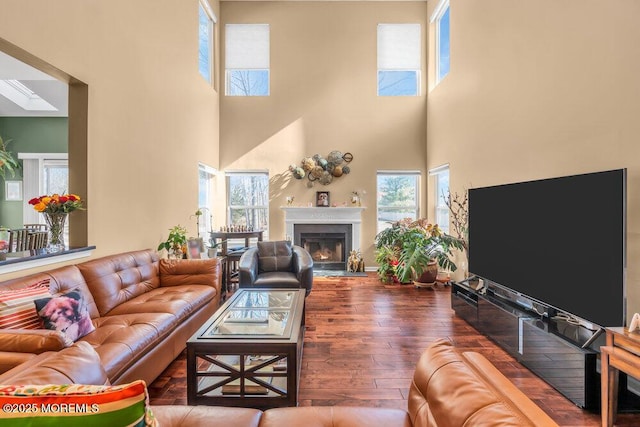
<point>248,353</point>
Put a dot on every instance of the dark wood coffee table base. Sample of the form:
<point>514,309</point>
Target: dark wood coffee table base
<point>245,372</point>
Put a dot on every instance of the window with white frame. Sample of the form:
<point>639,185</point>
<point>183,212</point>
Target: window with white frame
<point>206,176</point>
<point>441,186</point>
<point>442,31</point>
<point>399,47</point>
<point>397,196</point>
<point>43,173</point>
<point>206,44</point>
<point>248,200</point>
<point>247,59</point>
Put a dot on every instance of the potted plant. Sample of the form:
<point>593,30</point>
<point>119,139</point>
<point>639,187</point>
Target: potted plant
<point>387,260</point>
<point>422,248</point>
<point>176,243</point>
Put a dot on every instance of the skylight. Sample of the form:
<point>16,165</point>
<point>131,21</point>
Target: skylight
<point>24,97</point>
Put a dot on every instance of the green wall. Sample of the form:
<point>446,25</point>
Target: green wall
<point>29,135</point>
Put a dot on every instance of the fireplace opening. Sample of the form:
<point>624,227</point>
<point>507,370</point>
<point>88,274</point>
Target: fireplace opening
<point>325,248</point>
<point>328,244</point>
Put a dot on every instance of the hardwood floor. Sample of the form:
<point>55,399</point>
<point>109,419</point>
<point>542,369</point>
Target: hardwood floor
<point>363,339</point>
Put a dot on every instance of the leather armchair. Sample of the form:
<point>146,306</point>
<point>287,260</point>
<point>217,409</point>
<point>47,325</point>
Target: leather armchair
<point>276,265</point>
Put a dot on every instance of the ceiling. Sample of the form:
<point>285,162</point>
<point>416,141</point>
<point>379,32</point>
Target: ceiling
<point>48,88</point>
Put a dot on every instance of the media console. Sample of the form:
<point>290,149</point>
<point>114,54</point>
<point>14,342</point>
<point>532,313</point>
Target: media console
<point>547,344</point>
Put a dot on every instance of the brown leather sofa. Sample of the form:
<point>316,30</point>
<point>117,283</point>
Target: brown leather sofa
<point>144,310</point>
<point>449,389</point>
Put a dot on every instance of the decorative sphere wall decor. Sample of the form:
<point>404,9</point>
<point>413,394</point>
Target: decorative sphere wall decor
<point>323,170</point>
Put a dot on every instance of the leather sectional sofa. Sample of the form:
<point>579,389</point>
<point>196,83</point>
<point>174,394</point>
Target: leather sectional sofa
<point>449,389</point>
<point>143,309</point>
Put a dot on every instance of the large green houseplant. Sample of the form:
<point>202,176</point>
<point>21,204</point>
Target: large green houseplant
<point>420,246</point>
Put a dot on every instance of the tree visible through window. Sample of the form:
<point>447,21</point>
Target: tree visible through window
<point>397,195</point>
<point>206,22</point>
<point>248,200</point>
<point>399,47</point>
<point>442,192</point>
<point>443,57</point>
<point>248,82</point>
<point>247,59</point>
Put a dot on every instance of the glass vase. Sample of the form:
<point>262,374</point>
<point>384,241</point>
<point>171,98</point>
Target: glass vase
<point>56,222</point>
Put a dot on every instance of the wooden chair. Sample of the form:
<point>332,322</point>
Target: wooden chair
<point>18,240</point>
<point>38,239</point>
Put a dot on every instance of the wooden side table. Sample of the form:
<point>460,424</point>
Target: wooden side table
<point>622,353</point>
<point>226,236</point>
<point>232,258</point>
<point>223,290</point>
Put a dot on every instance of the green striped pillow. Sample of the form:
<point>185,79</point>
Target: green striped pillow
<point>72,405</point>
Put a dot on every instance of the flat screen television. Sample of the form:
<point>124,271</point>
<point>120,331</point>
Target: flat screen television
<point>558,241</point>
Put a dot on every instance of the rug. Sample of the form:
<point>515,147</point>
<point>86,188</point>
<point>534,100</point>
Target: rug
<point>337,273</point>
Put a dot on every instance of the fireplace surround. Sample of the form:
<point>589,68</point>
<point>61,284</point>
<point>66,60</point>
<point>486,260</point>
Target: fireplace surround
<point>328,234</point>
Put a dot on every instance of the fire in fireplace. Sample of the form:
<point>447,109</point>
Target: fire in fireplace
<point>325,248</point>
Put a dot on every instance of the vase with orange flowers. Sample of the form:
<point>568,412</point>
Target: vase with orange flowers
<point>55,209</point>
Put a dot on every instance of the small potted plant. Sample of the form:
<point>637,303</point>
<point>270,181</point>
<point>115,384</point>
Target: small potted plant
<point>387,260</point>
<point>176,243</point>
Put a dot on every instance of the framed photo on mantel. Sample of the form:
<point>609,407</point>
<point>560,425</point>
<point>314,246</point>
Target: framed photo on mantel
<point>322,199</point>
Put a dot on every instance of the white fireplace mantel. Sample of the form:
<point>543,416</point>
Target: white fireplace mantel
<point>337,215</point>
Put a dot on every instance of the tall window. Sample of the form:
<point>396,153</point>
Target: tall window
<point>441,20</point>
<point>206,175</point>
<point>206,32</point>
<point>43,173</point>
<point>399,59</point>
<point>247,59</point>
<point>397,196</point>
<point>441,185</point>
<point>248,199</point>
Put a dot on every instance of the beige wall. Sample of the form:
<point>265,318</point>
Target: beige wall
<point>323,98</point>
<point>151,116</point>
<point>541,89</point>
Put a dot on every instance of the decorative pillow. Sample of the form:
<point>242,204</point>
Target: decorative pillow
<point>76,405</point>
<point>67,313</point>
<point>16,306</point>
<point>274,256</point>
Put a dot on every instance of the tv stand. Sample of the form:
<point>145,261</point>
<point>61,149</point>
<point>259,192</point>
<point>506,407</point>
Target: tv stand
<point>593,338</point>
<point>547,344</point>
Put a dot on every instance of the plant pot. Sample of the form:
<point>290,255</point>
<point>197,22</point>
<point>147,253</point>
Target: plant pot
<point>428,276</point>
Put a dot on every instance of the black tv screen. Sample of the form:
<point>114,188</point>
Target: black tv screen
<point>560,241</point>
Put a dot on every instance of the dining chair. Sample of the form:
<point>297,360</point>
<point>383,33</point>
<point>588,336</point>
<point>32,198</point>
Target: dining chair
<point>38,239</point>
<point>18,240</point>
